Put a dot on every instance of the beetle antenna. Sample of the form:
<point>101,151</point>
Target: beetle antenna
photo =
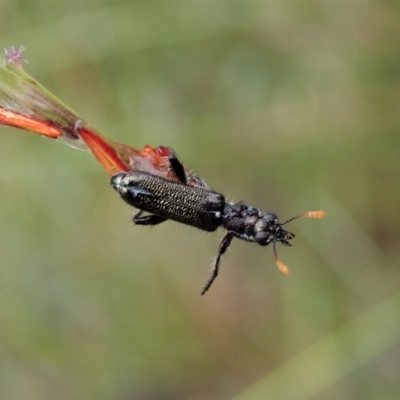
<point>309,214</point>
<point>282,267</point>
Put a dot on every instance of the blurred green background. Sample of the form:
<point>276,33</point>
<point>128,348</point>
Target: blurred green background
<point>288,106</point>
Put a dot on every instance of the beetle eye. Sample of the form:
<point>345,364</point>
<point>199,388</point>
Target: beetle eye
<point>270,218</point>
<point>262,238</point>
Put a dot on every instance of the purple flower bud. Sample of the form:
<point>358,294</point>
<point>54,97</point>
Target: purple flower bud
<point>13,56</point>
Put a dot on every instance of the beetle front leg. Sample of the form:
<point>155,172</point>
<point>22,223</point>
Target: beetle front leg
<point>225,242</point>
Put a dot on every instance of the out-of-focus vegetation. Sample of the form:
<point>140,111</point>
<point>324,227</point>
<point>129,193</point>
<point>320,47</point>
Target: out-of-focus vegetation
<point>289,106</point>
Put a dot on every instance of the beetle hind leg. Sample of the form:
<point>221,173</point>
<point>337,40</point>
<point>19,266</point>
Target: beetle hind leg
<point>176,167</point>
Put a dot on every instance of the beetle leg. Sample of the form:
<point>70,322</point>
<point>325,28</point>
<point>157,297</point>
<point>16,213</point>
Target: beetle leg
<point>177,167</point>
<point>225,242</point>
<point>147,219</point>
